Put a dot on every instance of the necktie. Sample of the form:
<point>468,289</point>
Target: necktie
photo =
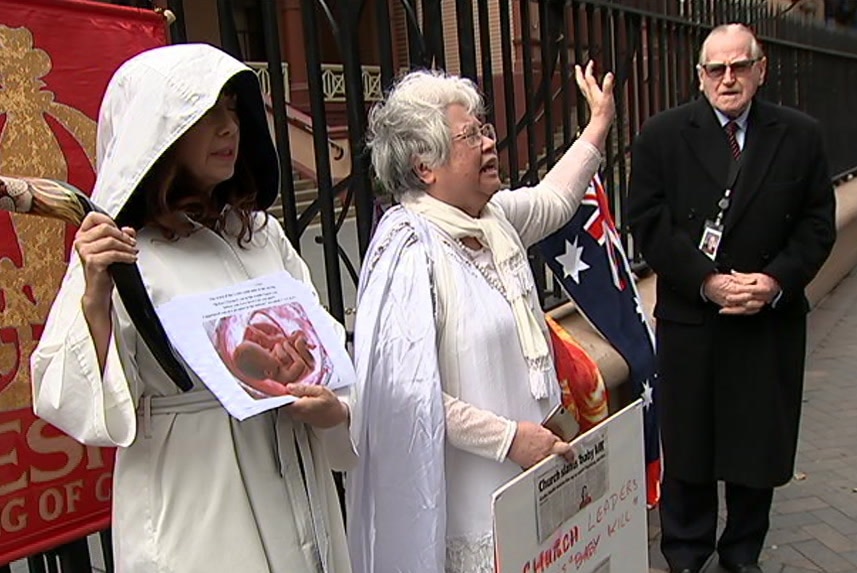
<point>731,130</point>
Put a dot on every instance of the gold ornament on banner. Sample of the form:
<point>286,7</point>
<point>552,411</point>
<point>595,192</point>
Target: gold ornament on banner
<point>29,147</point>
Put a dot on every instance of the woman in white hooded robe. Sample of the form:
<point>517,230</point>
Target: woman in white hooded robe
<point>185,162</point>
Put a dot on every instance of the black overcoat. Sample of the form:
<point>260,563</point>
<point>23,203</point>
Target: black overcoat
<point>731,387</point>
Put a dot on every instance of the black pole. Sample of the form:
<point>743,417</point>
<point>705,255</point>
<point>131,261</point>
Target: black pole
<point>548,55</point>
<point>178,30</point>
<point>322,162</point>
<point>433,32</point>
<point>529,96</point>
<point>580,103</point>
<point>106,538</point>
<point>487,66</point>
<point>74,556</point>
<point>509,91</point>
<point>271,31</point>
<point>419,55</point>
<point>355,110</point>
<point>385,44</point>
<point>36,563</point>
<point>466,38</point>
<point>565,81</point>
<point>228,33</point>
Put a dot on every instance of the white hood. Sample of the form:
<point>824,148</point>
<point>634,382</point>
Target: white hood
<point>154,98</point>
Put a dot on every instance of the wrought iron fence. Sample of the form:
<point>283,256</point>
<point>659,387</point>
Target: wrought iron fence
<point>261,71</point>
<point>525,71</point>
<point>521,53</point>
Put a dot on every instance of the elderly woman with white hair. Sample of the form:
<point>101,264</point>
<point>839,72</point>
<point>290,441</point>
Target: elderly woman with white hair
<point>454,366</point>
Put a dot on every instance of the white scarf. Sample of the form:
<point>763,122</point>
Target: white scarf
<point>494,231</point>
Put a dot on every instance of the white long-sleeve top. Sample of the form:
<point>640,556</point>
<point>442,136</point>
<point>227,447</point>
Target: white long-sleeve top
<point>530,210</point>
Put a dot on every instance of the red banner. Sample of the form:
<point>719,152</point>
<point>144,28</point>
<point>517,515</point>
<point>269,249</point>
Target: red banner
<point>58,56</point>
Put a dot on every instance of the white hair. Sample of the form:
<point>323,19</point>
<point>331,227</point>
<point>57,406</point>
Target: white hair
<point>411,127</point>
<point>755,48</point>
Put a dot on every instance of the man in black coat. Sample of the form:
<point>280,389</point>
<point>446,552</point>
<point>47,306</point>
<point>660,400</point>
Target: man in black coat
<point>732,206</point>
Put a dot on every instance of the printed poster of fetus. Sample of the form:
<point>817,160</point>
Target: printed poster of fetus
<point>267,349</point>
<point>247,342</point>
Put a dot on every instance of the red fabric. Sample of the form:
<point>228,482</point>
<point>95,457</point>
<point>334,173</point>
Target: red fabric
<point>580,381</point>
<point>58,56</point>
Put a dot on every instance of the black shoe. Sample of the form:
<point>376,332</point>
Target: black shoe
<point>684,570</point>
<point>741,567</point>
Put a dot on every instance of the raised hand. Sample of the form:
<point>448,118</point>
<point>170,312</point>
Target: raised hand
<point>601,104</point>
<point>599,98</point>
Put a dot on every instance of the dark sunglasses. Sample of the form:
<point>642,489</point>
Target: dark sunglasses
<point>718,69</point>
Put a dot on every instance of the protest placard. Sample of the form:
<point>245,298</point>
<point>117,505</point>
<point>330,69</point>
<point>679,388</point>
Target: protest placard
<point>585,512</point>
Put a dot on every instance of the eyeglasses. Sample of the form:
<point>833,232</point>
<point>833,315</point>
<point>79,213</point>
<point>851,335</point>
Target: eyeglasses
<point>717,70</point>
<point>473,135</point>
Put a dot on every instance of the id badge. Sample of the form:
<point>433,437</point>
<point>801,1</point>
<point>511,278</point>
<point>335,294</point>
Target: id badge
<point>710,241</point>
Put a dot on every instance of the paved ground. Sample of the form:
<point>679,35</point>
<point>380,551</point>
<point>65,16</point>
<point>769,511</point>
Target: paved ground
<point>814,519</point>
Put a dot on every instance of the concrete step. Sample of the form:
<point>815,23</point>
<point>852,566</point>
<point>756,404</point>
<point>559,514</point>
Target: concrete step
<point>303,184</point>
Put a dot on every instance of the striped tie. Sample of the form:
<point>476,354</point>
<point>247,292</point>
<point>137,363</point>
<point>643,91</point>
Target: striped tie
<point>731,129</point>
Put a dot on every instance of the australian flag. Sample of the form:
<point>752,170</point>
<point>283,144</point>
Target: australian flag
<point>587,258</point>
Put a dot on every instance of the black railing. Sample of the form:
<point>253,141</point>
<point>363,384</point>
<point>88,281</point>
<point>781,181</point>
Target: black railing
<point>528,82</point>
<point>527,78</point>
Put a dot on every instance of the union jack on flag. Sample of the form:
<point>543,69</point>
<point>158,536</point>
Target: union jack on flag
<point>587,258</point>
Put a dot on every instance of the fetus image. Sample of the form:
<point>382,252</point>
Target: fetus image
<point>268,349</point>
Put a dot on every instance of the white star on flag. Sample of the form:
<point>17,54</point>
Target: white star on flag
<point>572,261</point>
<point>647,394</point>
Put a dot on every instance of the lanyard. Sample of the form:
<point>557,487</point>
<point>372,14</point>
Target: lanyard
<point>725,201</point>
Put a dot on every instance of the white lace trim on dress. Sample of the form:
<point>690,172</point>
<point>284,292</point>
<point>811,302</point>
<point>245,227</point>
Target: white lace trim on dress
<point>471,554</point>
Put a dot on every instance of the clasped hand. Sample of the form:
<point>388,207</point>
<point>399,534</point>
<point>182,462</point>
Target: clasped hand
<point>741,293</point>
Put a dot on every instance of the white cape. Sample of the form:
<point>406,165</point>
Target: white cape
<point>402,496</point>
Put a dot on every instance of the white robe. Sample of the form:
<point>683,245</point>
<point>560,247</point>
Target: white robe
<point>194,491</point>
<point>415,502</point>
